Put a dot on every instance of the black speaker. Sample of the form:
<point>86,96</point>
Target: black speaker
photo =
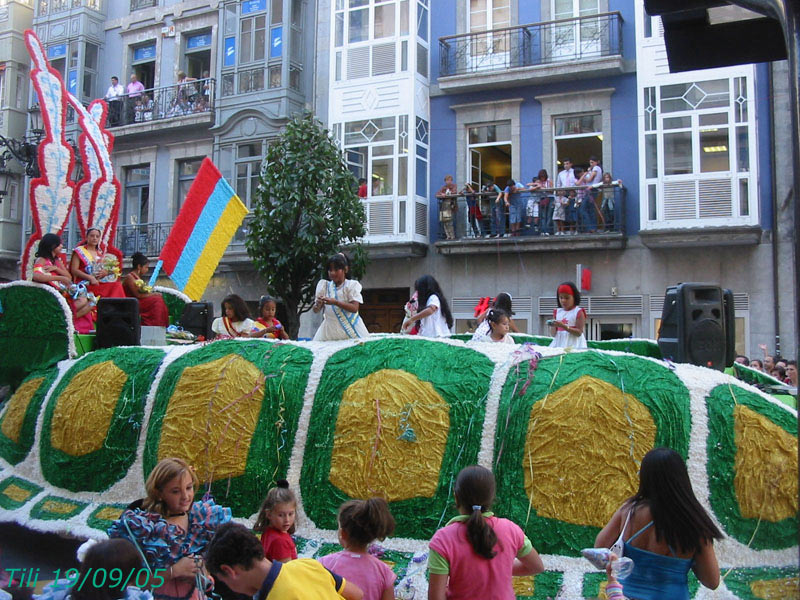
<point>197,318</point>
<point>730,327</point>
<point>118,322</point>
<point>693,325</point>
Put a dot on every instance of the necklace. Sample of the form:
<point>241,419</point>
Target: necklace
<point>180,514</point>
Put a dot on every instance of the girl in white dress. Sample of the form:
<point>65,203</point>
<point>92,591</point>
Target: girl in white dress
<point>435,319</point>
<point>569,319</point>
<point>501,301</point>
<point>499,325</point>
<point>235,320</point>
<point>341,299</point>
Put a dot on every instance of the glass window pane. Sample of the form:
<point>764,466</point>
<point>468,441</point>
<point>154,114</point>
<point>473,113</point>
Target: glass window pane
<point>678,153</point>
<point>402,176</point>
<point>227,84</point>
<point>382,150</point>
<point>91,56</point>
<point>339,29</point>
<point>382,177</point>
<point>403,17</point>
<point>714,119</point>
<point>742,150</point>
<point>715,154</point>
<point>259,44</point>
<point>275,76</point>
<point>358,30</point>
<point>277,12</point>
<point>297,12</point>
<point>356,159</point>
<point>248,150</point>
<point>744,197</point>
<point>677,122</point>
<point>652,202</point>
<point>651,156</point>
<point>231,19</point>
<point>422,22</point>
<point>384,21</point>
<point>357,3</point>
<point>422,177</point>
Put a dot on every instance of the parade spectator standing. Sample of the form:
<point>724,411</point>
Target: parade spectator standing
<point>448,206</point>
<point>515,204</point>
<point>591,212</point>
<point>498,215</point>
<point>565,178</point>
<point>791,373</point>
<point>475,214</point>
<point>539,204</point>
<point>114,96</point>
<point>134,91</point>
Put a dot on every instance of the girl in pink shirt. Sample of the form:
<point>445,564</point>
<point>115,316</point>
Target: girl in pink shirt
<point>361,522</point>
<point>476,554</point>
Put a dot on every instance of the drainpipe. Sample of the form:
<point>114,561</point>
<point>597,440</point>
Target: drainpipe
<point>774,202</point>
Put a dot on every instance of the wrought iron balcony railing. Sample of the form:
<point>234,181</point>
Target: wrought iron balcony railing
<point>580,210</point>
<point>166,102</point>
<point>529,45</point>
<point>137,4</point>
<point>147,238</point>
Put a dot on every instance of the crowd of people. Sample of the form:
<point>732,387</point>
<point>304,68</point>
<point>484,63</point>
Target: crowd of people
<point>580,201</point>
<point>189,549</point>
<point>782,369</point>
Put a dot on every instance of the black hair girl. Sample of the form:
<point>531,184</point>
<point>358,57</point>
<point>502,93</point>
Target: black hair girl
<point>426,287</point>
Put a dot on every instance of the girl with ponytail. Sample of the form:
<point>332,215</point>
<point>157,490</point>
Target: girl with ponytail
<point>476,554</point>
<point>361,522</point>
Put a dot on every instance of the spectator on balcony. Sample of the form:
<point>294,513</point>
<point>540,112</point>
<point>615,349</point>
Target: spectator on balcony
<point>152,309</point>
<point>362,188</point>
<point>99,269</point>
<point>207,87</point>
<point>498,215</point>
<point>608,203</point>
<point>186,92</point>
<point>539,203</point>
<point>474,211</point>
<point>114,97</point>
<point>516,205</point>
<point>565,178</point>
<point>448,206</point>
<point>133,90</point>
<point>144,109</point>
<point>591,210</point>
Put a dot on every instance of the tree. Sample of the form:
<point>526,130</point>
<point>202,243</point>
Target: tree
<point>305,210</point>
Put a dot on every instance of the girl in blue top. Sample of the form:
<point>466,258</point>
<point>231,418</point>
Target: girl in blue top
<point>665,531</point>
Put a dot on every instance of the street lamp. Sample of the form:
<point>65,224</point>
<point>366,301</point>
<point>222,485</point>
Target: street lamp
<point>5,178</point>
<point>25,151</point>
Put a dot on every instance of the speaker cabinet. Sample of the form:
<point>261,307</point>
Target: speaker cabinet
<point>118,322</point>
<point>197,318</point>
<point>694,325</point>
<point>730,327</point>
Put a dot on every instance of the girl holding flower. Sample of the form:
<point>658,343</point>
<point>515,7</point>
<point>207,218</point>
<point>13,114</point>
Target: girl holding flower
<point>152,309</point>
<point>100,270</point>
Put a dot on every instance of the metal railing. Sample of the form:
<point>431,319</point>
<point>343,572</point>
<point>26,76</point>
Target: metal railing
<point>166,102</point>
<point>583,210</point>
<point>533,44</point>
<point>147,238</point>
<point>137,4</point>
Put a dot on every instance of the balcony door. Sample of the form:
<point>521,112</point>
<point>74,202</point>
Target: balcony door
<point>487,50</point>
<point>577,38</point>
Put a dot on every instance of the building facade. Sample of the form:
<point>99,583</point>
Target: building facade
<point>482,90</point>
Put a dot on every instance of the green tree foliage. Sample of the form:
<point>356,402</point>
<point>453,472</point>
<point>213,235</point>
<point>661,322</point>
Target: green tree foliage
<point>305,210</point>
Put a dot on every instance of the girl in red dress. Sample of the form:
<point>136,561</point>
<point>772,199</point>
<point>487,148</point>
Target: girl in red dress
<point>89,264</point>
<point>152,309</point>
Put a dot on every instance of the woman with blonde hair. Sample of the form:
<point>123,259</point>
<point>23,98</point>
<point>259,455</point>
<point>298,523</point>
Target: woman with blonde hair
<point>172,530</point>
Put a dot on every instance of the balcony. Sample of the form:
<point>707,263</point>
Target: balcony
<point>595,219</point>
<point>162,108</point>
<point>566,49</point>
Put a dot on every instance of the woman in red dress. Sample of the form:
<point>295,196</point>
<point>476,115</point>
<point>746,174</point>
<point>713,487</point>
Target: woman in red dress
<point>152,309</point>
<point>89,264</point>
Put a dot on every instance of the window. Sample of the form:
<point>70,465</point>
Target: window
<point>2,85</point>
<point>252,46</point>
<point>369,30</point>
<point>578,137</point>
<point>187,171</point>
<point>248,168</point>
<point>579,37</point>
<point>697,148</point>
<point>489,153</point>
<point>90,71</point>
<point>197,54</point>
<point>485,15</point>
<point>144,65</point>
<point>137,195</point>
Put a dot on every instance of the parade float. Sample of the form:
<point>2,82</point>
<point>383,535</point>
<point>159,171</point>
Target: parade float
<point>397,417</point>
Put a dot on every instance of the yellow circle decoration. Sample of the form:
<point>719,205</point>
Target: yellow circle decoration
<point>390,438</point>
<point>582,451</point>
<point>776,589</point>
<point>14,415</point>
<point>81,419</point>
<point>766,467</point>
<point>212,416</point>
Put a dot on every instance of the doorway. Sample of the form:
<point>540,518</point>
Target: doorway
<point>610,328</point>
<point>383,309</point>
<point>578,137</point>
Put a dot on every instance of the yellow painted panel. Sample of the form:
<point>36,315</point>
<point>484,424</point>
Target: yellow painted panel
<point>776,589</point>
<point>582,452</point>
<point>212,416</point>
<point>766,467</point>
<point>81,417</point>
<point>16,493</point>
<point>14,415</point>
<point>390,438</point>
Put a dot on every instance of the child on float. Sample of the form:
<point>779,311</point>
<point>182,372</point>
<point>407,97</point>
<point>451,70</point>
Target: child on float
<point>268,326</point>
<point>361,522</point>
<point>476,554</point>
<point>341,299</point>
<point>235,558</point>
<point>435,319</point>
<point>49,268</point>
<point>569,319</point>
<point>501,301</point>
<point>499,326</point>
<point>235,320</point>
<point>276,521</point>
<point>153,311</point>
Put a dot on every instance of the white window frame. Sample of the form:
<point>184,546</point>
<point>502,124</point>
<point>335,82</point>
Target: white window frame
<point>696,177</point>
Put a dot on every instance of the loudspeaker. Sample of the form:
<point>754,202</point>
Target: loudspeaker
<point>730,327</point>
<point>197,318</point>
<point>118,322</point>
<point>693,325</point>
